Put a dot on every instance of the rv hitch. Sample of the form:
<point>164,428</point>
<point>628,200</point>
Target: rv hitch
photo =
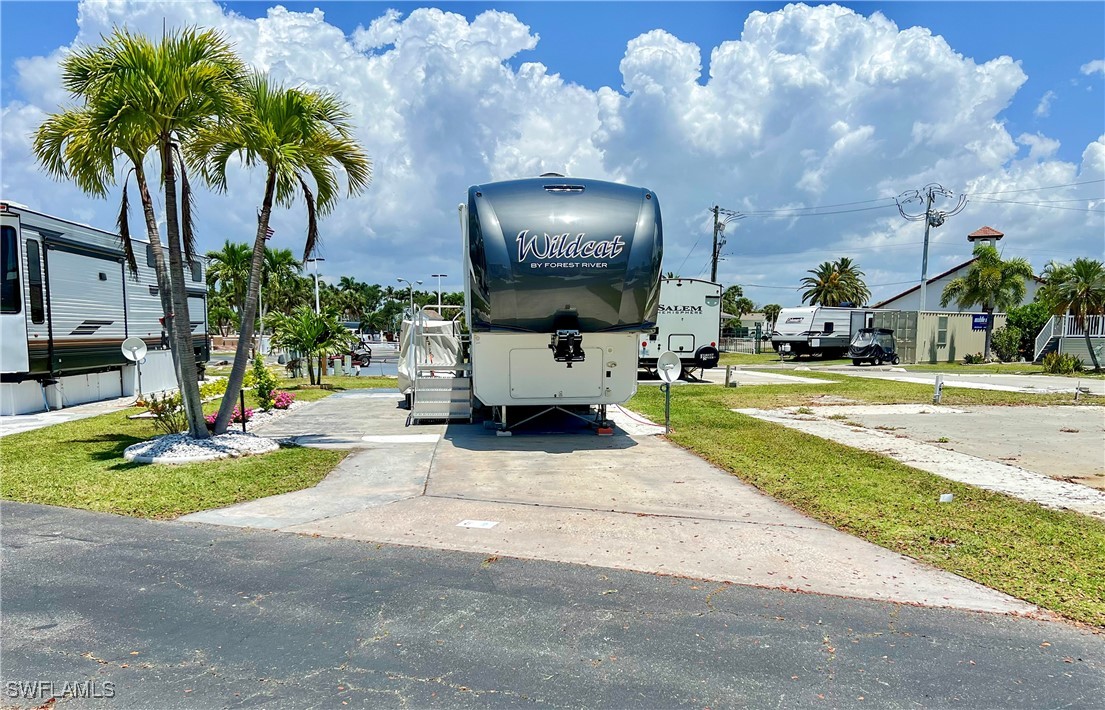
<point>567,347</point>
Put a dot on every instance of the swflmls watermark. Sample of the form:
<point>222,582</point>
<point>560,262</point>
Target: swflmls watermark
<point>46,689</point>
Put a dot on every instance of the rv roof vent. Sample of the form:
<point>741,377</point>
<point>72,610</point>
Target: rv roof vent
<point>561,187</point>
<point>551,175</point>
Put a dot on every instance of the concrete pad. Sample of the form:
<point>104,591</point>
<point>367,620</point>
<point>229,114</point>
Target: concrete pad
<point>809,558</point>
<point>956,466</point>
<point>633,502</point>
<point>1027,384</point>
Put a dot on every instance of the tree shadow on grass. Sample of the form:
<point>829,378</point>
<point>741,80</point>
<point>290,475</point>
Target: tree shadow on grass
<point>122,441</point>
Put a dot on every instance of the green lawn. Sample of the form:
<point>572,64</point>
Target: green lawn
<point>866,390</point>
<point>80,464</point>
<point>1051,558</point>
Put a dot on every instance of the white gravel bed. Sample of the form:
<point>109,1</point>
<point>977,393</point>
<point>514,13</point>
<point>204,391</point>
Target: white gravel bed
<point>182,448</point>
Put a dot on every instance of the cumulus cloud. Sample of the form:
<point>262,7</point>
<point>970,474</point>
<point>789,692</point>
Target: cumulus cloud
<point>1097,66</point>
<point>1043,108</point>
<point>803,106</point>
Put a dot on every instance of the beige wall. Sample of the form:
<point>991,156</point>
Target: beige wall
<point>959,339</point>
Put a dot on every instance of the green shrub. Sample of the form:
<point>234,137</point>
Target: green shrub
<point>975,359</point>
<point>1030,319</point>
<point>1062,363</point>
<point>168,412</point>
<point>1006,343</point>
<point>212,389</point>
<point>264,382</point>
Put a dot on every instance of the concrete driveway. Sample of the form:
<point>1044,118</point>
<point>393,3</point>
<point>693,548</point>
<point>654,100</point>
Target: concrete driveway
<point>630,501</point>
<point>1029,384</point>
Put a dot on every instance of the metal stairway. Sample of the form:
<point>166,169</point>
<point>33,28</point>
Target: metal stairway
<point>441,391</point>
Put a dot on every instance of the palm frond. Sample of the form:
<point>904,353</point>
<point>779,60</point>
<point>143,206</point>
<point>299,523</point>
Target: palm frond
<point>123,224</point>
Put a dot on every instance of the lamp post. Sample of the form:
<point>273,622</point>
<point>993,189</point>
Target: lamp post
<point>315,261</point>
<point>438,277</point>
<point>410,286</point>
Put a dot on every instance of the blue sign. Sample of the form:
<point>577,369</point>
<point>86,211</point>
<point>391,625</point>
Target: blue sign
<point>978,321</point>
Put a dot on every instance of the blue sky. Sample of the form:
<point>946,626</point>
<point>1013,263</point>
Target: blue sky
<point>818,129</point>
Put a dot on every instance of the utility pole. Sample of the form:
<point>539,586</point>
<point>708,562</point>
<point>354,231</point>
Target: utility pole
<point>438,277</point>
<point>933,218</point>
<point>722,217</point>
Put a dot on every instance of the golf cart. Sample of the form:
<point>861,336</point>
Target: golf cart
<point>874,345</point>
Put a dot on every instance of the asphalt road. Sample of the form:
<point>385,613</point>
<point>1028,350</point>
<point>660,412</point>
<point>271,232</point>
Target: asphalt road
<point>173,615</point>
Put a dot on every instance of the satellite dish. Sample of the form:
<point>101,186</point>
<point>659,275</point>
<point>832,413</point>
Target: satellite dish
<point>134,348</point>
<point>669,367</point>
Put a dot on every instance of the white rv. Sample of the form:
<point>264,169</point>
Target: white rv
<point>562,281</point>
<point>816,330</point>
<point>67,303</point>
<point>688,324</point>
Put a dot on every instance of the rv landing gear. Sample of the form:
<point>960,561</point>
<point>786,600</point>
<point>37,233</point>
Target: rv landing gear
<point>602,425</point>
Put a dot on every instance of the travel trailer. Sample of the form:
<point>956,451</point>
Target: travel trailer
<point>68,302</point>
<point>817,330</point>
<point>688,323</point>
<point>562,282</point>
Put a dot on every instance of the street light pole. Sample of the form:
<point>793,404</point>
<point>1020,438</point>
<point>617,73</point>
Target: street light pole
<point>410,286</point>
<point>315,260</point>
<point>438,277</point>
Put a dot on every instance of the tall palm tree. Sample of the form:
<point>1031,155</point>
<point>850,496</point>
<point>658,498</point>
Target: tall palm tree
<point>295,134</point>
<point>1077,289</point>
<point>990,283</point>
<point>852,278</point>
<point>143,97</point>
<point>834,284</point>
<point>228,270</point>
<point>823,287</point>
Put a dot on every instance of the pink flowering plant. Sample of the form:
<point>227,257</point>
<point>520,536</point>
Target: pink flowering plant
<point>235,416</point>
<point>282,399</point>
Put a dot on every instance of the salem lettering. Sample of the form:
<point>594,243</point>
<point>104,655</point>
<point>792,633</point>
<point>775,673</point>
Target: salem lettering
<point>564,246</point>
<point>680,309</point>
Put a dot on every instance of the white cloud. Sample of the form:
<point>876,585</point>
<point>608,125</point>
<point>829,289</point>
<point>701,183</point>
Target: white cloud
<point>1097,66</point>
<point>1043,109</point>
<point>806,105</point>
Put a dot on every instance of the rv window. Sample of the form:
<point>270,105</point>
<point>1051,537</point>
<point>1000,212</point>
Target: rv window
<point>829,327</point>
<point>941,331</point>
<point>197,274</point>
<point>34,281</point>
<point>11,295</point>
<point>150,261</point>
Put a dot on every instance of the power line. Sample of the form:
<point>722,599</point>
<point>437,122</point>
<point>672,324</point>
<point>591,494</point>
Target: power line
<point>817,207</point>
<point>1041,204</point>
<point>816,214</point>
<point>1033,189</point>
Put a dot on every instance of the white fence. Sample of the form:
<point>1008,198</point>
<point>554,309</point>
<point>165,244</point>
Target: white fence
<point>1094,324</point>
<point>740,345</point>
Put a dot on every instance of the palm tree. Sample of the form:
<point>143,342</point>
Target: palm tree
<point>310,334</point>
<point>142,97</point>
<point>294,134</point>
<point>834,284</point>
<point>228,270</point>
<point>990,283</point>
<point>1077,288</point>
<point>823,288</point>
<point>855,289</point>
<point>771,313</point>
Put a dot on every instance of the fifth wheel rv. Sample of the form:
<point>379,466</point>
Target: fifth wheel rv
<point>68,302</point>
<point>562,280</point>
<point>688,324</point>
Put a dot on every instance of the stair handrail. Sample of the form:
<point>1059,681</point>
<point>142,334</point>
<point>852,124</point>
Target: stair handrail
<point>1047,334</point>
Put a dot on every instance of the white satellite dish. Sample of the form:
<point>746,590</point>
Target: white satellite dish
<point>669,367</point>
<point>134,348</point>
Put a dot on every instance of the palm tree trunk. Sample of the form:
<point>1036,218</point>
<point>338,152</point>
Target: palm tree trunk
<point>989,311</point>
<point>161,269</point>
<point>1089,345</point>
<point>310,368</point>
<point>182,330</point>
<point>249,309</point>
